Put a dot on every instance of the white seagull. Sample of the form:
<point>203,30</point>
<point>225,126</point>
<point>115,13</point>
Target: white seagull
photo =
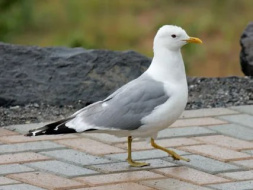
<point>142,107</point>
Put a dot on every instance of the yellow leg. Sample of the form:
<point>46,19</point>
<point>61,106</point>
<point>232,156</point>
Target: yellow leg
<point>129,158</point>
<point>174,155</point>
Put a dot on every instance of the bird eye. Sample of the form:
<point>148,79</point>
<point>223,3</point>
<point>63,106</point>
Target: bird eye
<point>173,35</point>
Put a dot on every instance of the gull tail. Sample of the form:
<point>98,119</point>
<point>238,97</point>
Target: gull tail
<point>54,128</point>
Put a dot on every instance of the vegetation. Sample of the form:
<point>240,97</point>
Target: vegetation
<point>131,24</point>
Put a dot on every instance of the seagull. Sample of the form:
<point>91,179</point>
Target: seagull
<point>142,107</point>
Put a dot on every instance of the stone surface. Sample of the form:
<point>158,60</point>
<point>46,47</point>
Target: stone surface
<point>197,122</point>
<point>239,176</point>
<point>121,186</point>
<point>243,185</point>
<point>6,181</point>
<point>14,168</point>
<point>59,75</point>
<point>243,119</point>
<point>244,109</point>
<point>246,55</point>
<point>20,187</point>
<point>245,163</point>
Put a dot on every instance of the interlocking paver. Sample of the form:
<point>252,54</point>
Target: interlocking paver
<point>245,163</point>
<point>197,122</point>
<point>5,132</point>
<point>121,186</point>
<point>207,164</point>
<point>61,168</point>
<point>207,112</point>
<point>215,152</point>
<point>185,132</point>
<point>175,142</point>
<point>191,175</point>
<point>124,166</point>
<point>228,142</point>
<point>172,184</point>
<point>76,157</point>
<point>46,180</point>
<point>103,137</point>
<point>14,168</point>
<point>248,152</point>
<point>90,146</point>
<point>24,128</point>
<point>20,187</point>
<point>238,176</point>
<point>119,178</point>
<point>6,181</point>
<point>23,139</point>
<point>243,185</point>
<point>234,130</point>
<point>32,146</point>
<point>244,109</point>
<point>21,158</point>
<point>242,119</point>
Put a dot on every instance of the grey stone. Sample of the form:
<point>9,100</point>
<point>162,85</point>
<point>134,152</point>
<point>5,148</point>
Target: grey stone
<point>244,109</point>
<point>24,128</point>
<point>61,168</point>
<point>60,75</point>
<point>241,119</point>
<point>207,164</point>
<point>185,132</point>
<point>172,184</point>
<point>14,168</point>
<point>234,130</point>
<point>246,55</point>
<point>76,157</point>
<point>243,185</point>
<point>30,146</point>
<point>146,154</point>
<point>20,187</point>
<point>248,151</point>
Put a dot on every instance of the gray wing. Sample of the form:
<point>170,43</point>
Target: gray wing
<point>125,108</point>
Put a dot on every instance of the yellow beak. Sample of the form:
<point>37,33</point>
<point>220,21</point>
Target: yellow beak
<point>194,40</point>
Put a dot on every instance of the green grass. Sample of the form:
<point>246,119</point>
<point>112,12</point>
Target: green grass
<point>121,25</point>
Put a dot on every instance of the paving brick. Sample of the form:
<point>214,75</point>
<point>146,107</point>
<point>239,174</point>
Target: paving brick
<point>248,152</point>
<point>7,181</point>
<point>14,168</point>
<point>46,180</point>
<point>172,184</point>
<point>121,186</point>
<point>244,163</point>
<point>146,154</point>
<point>23,139</point>
<point>5,132</point>
<point>21,158</point>
<point>215,152</point>
<point>20,187</point>
<point>227,142</point>
<point>238,176</point>
<point>243,185</point>
<point>90,146</point>
<point>197,122</point>
<point>124,166</point>
<point>191,175</point>
<point>185,132</point>
<point>24,128</point>
<point>234,130</point>
<point>118,178</point>
<point>61,168</point>
<point>207,112</point>
<point>76,157</point>
<point>242,119</point>
<point>206,164</point>
<point>32,146</point>
<point>103,137</point>
<point>245,109</point>
<point>175,142</point>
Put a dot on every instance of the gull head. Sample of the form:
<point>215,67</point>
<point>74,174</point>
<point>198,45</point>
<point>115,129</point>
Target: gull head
<point>173,38</point>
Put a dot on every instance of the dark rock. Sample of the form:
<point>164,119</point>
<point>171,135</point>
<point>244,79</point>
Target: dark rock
<point>246,55</point>
<point>62,76</point>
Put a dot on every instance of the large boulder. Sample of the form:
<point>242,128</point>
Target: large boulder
<point>246,55</point>
<point>62,76</point>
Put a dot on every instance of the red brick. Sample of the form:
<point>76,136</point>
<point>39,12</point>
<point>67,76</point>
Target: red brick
<point>90,146</point>
<point>175,142</point>
<point>216,152</point>
<point>21,158</point>
<point>118,178</point>
<point>191,175</point>
<point>225,141</point>
<point>46,180</point>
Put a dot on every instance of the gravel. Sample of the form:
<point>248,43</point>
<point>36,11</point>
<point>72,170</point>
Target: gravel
<point>203,93</point>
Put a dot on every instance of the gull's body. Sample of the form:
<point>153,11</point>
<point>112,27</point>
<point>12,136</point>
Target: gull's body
<point>142,107</point>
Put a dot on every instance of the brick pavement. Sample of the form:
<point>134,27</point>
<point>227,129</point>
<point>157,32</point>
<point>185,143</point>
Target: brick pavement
<point>218,141</point>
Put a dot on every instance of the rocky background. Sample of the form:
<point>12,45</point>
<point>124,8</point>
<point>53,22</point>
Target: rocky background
<point>44,84</point>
